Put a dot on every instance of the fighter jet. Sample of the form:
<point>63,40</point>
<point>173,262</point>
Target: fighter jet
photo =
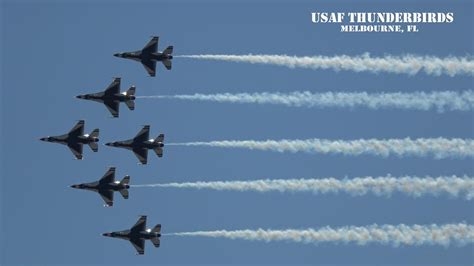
<point>76,138</point>
<point>112,97</point>
<point>141,143</point>
<point>149,55</point>
<point>107,185</point>
<point>138,234</point>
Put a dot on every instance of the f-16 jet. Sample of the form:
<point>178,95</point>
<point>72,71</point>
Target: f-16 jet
<point>107,185</point>
<point>76,138</point>
<point>112,97</point>
<point>141,143</point>
<point>149,55</point>
<point>138,234</point>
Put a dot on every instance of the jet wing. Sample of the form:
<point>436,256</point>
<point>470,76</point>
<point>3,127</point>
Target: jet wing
<point>151,46</point>
<point>150,66</point>
<point>142,154</point>
<point>109,176</point>
<point>113,107</point>
<point>78,129</point>
<point>113,88</point>
<point>107,196</point>
<point>139,245</point>
<point>76,150</point>
<point>143,135</point>
<point>140,225</point>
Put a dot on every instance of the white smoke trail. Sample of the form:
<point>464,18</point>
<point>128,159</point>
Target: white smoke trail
<point>410,235</point>
<point>408,64</point>
<point>439,148</point>
<point>381,186</point>
<point>441,101</point>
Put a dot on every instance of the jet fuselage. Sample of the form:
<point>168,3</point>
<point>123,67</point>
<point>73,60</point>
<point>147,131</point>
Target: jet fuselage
<point>139,56</point>
<point>121,97</point>
<point>130,144</point>
<point>68,139</point>
<point>96,186</point>
<point>128,234</point>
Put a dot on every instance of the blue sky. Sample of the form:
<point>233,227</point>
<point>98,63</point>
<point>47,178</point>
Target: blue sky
<point>52,51</point>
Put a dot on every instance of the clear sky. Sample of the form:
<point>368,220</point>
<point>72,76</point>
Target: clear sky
<point>52,51</point>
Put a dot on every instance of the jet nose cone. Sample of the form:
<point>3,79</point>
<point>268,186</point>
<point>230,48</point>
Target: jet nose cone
<point>43,139</point>
<point>117,54</point>
<point>75,186</point>
<point>80,97</point>
<point>106,234</point>
<point>108,144</point>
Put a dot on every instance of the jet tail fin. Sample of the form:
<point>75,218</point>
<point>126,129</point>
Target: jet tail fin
<point>130,104</point>
<point>168,50</point>
<point>124,193</point>
<point>167,63</point>
<point>94,133</point>
<point>94,146</point>
<point>131,91</point>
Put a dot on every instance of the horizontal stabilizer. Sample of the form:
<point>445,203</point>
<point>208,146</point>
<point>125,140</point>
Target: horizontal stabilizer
<point>168,50</point>
<point>167,63</point>
<point>160,138</point>
<point>156,241</point>
<point>131,91</point>
<point>94,146</point>
<point>125,180</point>
<point>130,105</point>
<point>124,193</point>
<point>94,133</point>
<point>159,152</point>
<point>157,229</point>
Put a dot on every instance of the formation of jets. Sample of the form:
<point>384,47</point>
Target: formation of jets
<point>75,139</point>
<point>140,144</point>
